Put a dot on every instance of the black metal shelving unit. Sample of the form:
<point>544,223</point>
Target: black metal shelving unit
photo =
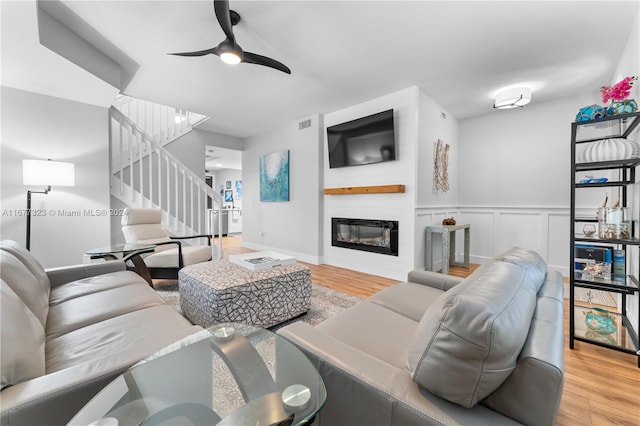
<point>627,285</point>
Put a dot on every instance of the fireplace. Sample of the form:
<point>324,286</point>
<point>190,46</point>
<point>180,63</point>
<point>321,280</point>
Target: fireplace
<point>377,236</point>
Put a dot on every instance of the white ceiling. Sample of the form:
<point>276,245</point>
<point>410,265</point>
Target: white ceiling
<point>222,158</point>
<point>340,53</point>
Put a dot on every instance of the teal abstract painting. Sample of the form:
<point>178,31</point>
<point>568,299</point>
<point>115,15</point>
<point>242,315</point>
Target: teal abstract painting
<point>274,176</point>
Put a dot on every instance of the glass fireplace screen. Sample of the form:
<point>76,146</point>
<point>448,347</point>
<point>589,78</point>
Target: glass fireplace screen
<point>377,236</point>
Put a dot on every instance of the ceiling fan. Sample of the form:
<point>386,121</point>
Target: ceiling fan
<point>229,50</point>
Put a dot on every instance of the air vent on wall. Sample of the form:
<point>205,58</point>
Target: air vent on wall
<point>304,124</point>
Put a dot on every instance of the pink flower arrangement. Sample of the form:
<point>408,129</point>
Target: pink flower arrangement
<point>619,91</point>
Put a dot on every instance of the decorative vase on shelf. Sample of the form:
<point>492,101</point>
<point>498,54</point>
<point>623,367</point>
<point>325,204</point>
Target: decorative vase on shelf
<point>608,150</point>
<point>591,112</point>
<point>625,106</point>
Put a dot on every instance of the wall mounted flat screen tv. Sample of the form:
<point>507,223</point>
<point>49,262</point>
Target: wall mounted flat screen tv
<point>366,140</point>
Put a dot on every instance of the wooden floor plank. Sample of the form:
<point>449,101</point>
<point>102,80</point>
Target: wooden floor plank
<point>602,387</point>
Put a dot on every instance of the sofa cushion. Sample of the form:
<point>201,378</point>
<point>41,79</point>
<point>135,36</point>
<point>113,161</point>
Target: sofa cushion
<point>33,292</point>
<point>124,337</point>
<point>92,285</point>
<point>22,349</point>
<point>408,299</point>
<point>96,307</point>
<point>374,330</point>
<point>468,340</point>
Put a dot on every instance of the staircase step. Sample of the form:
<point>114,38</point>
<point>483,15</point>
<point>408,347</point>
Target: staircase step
<point>145,174</point>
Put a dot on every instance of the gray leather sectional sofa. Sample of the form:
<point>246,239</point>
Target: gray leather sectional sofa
<point>439,350</point>
<point>68,332</point>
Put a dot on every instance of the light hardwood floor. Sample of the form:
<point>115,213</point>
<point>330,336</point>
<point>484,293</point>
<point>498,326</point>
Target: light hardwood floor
<point>601,387</point>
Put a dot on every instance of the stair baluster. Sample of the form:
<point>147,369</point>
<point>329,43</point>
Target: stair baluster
<point>179,191</point>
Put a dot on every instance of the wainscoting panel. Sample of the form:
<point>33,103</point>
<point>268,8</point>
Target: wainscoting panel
<point>483,231</point>
<point>522,229</point>
<point>496,229</point>
<point>559,242</point>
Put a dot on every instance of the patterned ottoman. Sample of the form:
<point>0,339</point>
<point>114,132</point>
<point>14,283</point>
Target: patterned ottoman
<point>221,291</point>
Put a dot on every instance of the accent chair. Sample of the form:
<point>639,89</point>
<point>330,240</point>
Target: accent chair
<point>144,226</point>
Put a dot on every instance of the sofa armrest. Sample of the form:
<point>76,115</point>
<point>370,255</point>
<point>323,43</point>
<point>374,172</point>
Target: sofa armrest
<point>53,399</point>
<point>65,274</point>
<point>365,390</point>
<point>347,374</point>
<point>188,237</point>
<point>38,401</point>
<point>433,279</point>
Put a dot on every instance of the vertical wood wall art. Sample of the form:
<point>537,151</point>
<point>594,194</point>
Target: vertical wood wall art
<point>441,166</point>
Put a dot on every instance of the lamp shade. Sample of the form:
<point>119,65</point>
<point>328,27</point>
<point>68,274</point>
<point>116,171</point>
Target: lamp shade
<point>513,98</point>
<point>48,173</point>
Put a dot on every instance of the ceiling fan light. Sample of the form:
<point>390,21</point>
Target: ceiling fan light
<point>231,58</point>
<point>513,98</point>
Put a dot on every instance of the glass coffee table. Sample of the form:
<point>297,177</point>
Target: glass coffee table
<point>127,252</point>
<point>229,374</point>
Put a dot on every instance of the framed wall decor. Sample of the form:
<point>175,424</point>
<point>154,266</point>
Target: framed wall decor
<point>274,176</point>
<point>238,190</point>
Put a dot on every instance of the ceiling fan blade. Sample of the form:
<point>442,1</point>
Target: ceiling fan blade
<point>254,58</point>
<point>212,51</point>
<point>221,8</point>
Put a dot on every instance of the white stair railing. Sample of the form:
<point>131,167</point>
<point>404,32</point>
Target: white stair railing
<point>144,174</point>
<point>163,123</point>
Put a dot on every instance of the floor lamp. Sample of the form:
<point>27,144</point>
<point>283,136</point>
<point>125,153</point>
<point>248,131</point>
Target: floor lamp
<point>44,173</point>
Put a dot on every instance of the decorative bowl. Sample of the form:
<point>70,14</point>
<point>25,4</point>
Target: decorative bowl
<point>601,321</point>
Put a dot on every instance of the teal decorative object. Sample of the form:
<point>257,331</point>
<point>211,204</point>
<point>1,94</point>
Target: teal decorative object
<point>599,337</point>
<point>599,320</point>
<point>591,112</point>
<point>626,106</point>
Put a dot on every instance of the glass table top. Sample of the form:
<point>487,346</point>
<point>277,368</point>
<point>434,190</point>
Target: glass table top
<point>230,374</point>
<point>120,248</point>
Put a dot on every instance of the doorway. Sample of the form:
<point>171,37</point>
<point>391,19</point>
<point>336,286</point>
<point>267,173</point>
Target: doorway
<point>223,173</point>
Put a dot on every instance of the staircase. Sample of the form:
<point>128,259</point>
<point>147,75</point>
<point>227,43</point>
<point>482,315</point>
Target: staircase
<point>162,123</point>
<point>144,174</point>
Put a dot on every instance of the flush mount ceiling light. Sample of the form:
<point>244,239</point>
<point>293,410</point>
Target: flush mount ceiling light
<point>513,98</point>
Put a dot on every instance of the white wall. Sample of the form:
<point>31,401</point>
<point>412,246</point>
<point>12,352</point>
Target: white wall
<point>515,179</point>
<point>190,148</point>
<point>292,227</point>
<point>629,64</point>
<point>39,127</point>
<point>434,205</point>
<point>398,207</point>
